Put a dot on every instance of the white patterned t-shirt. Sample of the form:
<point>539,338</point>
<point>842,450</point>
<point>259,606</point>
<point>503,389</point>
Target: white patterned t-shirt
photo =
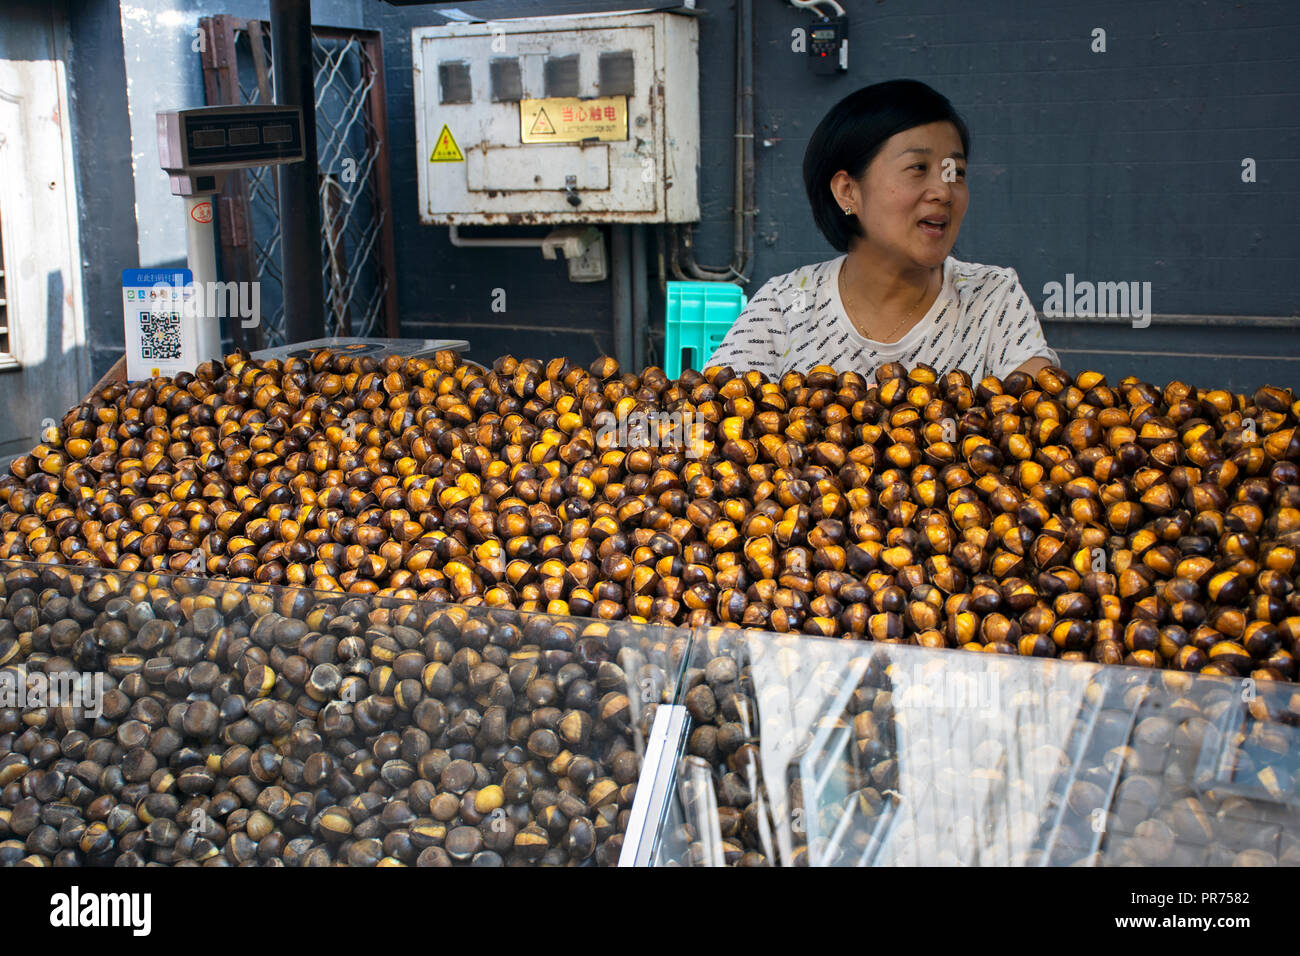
<point>982,322</point>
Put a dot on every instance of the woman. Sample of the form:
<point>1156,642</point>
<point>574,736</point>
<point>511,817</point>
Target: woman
<point>885,172</point>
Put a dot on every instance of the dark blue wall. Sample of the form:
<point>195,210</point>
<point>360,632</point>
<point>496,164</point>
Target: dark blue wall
<point>1123,165</point>
<point>1117,166</point>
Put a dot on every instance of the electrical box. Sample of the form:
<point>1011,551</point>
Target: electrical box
<point>552,120</point>
<point>830,45</point>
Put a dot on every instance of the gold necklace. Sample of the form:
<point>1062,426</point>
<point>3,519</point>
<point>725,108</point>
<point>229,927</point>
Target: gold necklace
<point>900,325</point>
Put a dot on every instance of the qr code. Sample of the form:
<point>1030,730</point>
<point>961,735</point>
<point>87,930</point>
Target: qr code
<point>160,336</point>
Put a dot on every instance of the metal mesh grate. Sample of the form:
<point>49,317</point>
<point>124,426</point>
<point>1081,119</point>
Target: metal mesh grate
<point>356,236</point>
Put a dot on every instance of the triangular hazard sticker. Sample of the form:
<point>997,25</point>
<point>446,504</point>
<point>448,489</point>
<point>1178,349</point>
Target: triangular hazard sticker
<point>446,151</point>
<point>542,125</point>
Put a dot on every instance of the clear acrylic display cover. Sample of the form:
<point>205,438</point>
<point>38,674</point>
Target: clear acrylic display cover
<point>657,746</point>
<point>806,751</point>
<point>375,685</point>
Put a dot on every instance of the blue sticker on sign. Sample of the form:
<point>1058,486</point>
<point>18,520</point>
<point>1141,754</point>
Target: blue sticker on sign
<point>149,278</point>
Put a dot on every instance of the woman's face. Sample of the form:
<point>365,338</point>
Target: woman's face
<point>913,195</point>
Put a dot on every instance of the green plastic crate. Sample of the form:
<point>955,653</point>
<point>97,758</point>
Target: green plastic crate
<point>699,317</point>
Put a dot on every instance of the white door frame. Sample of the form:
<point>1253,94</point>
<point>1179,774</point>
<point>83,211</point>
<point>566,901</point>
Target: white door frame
<point>38,214</point>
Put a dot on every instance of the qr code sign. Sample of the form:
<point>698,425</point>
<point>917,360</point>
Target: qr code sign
<point>160,336</point>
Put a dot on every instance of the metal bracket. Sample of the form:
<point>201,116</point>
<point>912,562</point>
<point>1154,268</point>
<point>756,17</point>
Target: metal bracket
<point>654,787</point>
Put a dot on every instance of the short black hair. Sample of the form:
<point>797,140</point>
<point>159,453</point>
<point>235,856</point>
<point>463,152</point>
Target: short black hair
<point>853,132</point>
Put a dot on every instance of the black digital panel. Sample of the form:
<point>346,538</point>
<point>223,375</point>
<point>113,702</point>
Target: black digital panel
<point>281,133</point>
<point>208,138</point>
<point>246,138</point>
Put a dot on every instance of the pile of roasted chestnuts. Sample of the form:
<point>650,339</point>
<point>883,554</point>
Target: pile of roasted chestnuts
<point>154,719</point>
<point>1051,516</point>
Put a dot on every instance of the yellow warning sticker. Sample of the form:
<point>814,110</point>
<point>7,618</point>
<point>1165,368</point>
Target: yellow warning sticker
<point>568,119</point>
<point>446,150</point>
<point>542,125</point>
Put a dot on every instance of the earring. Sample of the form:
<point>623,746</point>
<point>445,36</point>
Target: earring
<point>847,210</point>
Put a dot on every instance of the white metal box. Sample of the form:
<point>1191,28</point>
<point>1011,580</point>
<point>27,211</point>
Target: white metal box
<point>553,120</point>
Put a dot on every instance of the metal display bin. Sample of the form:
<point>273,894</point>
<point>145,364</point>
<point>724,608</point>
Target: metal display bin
<point>806,751</point>
<point>217,722</point>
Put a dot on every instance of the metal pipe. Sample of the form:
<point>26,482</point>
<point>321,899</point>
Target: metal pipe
<point>697,271</point>
<point>640,299</point>
<point>674,255</point>
<point>744,192</point>
<point>453,233</point>
<point>621,290</point>
<point>661,256</point>
<point>300,218</point>
<point>747,182</point>
<point>201,249</point>
<point>708,273</point>
<point>373,71</point>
